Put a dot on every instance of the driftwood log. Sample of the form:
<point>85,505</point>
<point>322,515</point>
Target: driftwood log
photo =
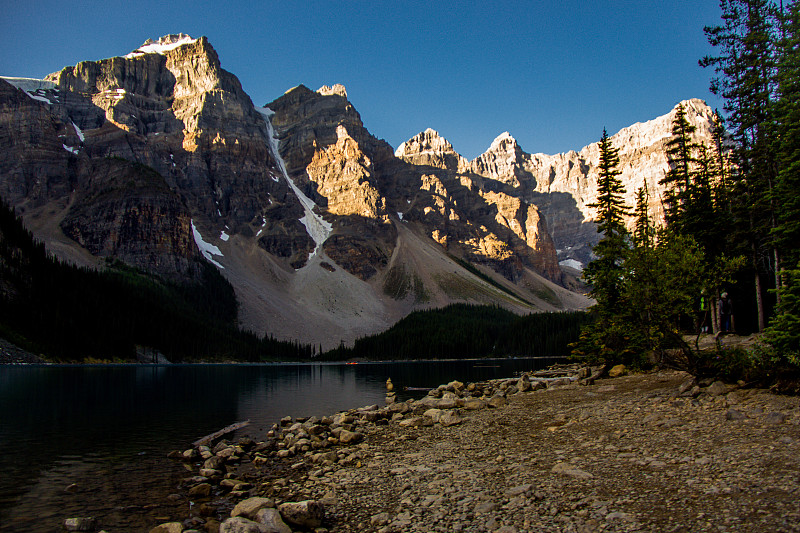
<point>208,439</point>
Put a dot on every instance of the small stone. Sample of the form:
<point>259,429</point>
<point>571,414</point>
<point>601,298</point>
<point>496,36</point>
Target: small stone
<point>350,437</point>
<point>450,418</point>
<point>80,524</point>
<point>169,527</point>
<point>775,418</point>
<point>687,385</point>
<point>716,389</point>
<point>616,371</point>
<point>380,519</point>
<point>433,414</point>
<point>497,401</point>
<point>518,490</point>
<point>226,453</point>
<point>447,403</point>
<point>214,463</point>
<point>473,404</point>
<point>486,507</point>
<point>411,422</point>
<point>569,470</point>
<point>229,483</point>
<point>733,414</point>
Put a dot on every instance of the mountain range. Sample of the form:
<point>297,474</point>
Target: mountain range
<point>160,160</point>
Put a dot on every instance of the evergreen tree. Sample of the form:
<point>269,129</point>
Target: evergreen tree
<point>787,190</point>
<point>605,273</point>
<point>644,232</point>
<point>608,338</point>
<point>680,154</point>
<point>783,333</point>
<point>784,330</point>
<point>746,79</point>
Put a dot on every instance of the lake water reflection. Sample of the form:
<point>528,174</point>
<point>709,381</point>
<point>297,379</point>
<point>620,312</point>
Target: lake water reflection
<point>107,428</point>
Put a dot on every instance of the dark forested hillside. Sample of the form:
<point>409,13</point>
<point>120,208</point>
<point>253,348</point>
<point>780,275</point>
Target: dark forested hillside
<point>74,314</point>
<point>463,331</point>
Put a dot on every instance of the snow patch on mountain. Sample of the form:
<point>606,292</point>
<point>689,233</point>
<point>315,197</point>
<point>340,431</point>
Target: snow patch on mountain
<point>206,248</point>
<point>40,90</point>
<point>30,85</point>
<point>572,263</point>
<point>316,226</point>
<point>162,45</point>
<point>78,132</point>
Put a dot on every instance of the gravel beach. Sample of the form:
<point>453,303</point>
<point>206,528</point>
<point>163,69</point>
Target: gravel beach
<point>646,452</point>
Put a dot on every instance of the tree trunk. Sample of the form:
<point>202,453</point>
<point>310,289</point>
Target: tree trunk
<point>759,302</point>
<point>714,311</point>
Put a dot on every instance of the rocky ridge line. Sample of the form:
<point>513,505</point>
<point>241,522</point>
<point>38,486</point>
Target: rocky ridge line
<point>563,185</point>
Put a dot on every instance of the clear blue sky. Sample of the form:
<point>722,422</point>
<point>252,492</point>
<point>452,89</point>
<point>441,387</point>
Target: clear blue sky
<point>551,73</point>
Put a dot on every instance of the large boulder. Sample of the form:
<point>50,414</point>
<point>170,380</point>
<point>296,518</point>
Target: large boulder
<point>350,437</point>
<point>251,506</point>
<point>239,524</point>
<point>450,418</point>
<point>271,519</point>
<point>308,513</point>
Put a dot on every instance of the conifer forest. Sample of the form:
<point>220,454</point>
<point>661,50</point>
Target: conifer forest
<point>726,259</point>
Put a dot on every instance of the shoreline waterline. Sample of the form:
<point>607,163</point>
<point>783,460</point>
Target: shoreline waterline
<point>82,423</point>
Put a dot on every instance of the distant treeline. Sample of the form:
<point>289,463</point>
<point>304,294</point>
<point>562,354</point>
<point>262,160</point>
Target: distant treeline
<point>75,314</point>
<point>463,331</point>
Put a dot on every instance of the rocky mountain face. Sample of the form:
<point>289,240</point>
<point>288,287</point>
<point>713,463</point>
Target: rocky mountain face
<point>367,190</point>
<point>159,159</point>
<point>563,185</point>
<point>195,134</point>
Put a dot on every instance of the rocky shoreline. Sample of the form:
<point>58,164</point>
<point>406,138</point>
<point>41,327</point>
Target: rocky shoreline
<point>646,452</point>
<point>10,354</point>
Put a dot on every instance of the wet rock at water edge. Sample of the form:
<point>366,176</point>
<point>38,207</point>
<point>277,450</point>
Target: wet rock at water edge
<point>251,506</point>
<point>168,527</point>
<point>203,490</point>
<point>80,524</point>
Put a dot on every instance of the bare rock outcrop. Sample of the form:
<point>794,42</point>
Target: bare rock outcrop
<point>430,149</point>
<point>485,220</point>
<point>563,186</point>
<point>176,110</point>
<point>126,211</point>
<point>172,109</point>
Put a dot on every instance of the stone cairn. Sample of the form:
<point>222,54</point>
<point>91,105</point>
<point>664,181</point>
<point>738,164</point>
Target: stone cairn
<point>327,440</point>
